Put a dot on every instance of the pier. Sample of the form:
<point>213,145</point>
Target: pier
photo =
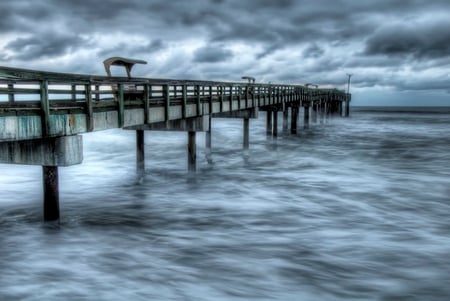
<point>42,114</point>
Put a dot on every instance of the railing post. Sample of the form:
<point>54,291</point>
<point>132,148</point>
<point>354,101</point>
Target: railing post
<point>45,109</point>
<point>74,92</point>
<point>147,89</point>
<point>89,108</point>
<point>183,104</point>
<point>10,93</point>
<point>167,102</point>
<point>199,104</point>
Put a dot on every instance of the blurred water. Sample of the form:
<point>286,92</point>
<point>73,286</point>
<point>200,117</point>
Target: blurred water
<point>353,209</point>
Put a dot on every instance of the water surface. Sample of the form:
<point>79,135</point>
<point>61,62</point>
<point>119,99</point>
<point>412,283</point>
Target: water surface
<point>351,209</point>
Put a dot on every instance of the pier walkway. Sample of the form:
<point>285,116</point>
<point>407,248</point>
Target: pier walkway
<point>42,114</point>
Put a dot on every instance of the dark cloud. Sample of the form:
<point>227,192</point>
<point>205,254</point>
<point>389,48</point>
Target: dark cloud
<point>133,49</point>
<point>313,51</point>
<point>212,54</point>
<point>421,41</point>
<point>53,45</point>
<point>286,40</point>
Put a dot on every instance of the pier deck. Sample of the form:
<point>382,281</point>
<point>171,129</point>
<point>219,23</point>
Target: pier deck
<point>43,113</point>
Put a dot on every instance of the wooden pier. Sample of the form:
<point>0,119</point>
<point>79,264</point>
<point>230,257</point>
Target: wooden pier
<point>42,114</point>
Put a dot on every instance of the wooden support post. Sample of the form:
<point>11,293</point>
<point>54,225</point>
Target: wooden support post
<point>140,154</point>
<point>192,155</point>
<point>306,116</point>
<point>275,123</point>
<point>208,143</point>
<point>314,112</point>
<point>51,193</point>
<point>246,134</point>
<point>294,117</point>
<point>269,122</point>
<point>285,118</point>
<point>347,108</point>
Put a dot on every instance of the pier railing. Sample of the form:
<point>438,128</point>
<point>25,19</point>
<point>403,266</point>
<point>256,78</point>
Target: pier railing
<point>47,94</point>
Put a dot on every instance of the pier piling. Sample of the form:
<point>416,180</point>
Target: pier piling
<point>51,193</point>
<point>208,144</point>
<point>294,117</point>
<point>306,116</point>
<point>275,123</point>
<point>285,119</point>
<point>192,152</point>
<point>140,154</point>
<point>269,123</point>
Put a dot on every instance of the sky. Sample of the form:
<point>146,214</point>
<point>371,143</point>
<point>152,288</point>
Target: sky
<point>398,51</point>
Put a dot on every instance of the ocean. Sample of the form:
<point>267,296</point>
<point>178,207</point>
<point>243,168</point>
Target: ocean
<point>352,208</point>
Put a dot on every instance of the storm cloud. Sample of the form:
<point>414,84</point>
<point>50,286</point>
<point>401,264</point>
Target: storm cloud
<point>387,44</point>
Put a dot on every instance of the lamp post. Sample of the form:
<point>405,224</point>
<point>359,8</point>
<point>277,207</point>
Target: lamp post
<point>347,104</point>
<point>348,83</point>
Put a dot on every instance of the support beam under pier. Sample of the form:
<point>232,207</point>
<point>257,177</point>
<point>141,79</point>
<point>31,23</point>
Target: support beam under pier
<point>48,153</point>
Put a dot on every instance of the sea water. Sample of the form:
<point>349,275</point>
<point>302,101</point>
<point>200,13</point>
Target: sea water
<point>350,209</point>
